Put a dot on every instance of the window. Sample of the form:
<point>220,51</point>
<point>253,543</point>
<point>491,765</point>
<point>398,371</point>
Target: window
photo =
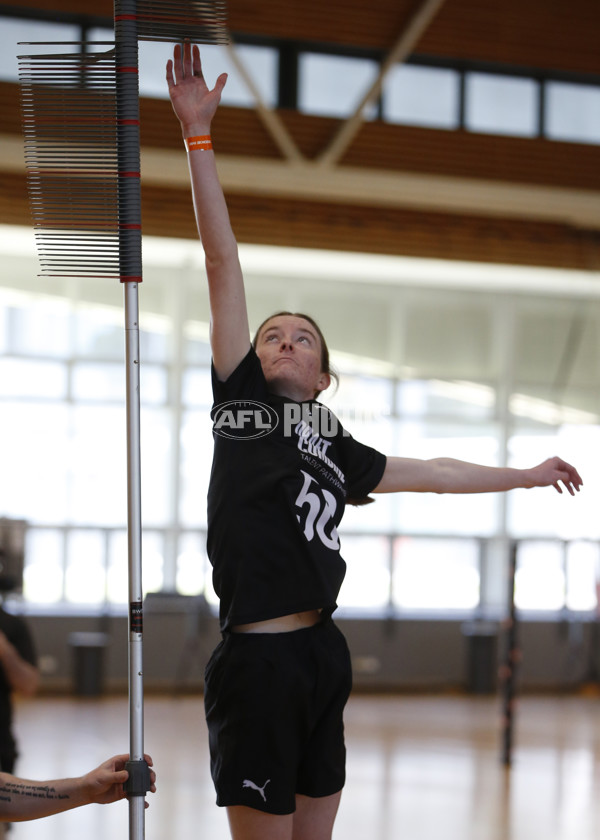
<point>260,62</point>
<point>501,104</point>
<point>194,572</point>
<point>63,448</point>
<point>583,575</point>
<point>41,328</point>
<point>488,99</point>
<point>545,512</point>
<point>540,576</point>
<point>573,112</point>
<point>333,86</point>
<point>96,462</point>
<point>196,460</point>
<point>98,333</point>
<point>98,382</point>
<point>196,387</point>
<point>15,31</point>
<point>476,514</point>
<point>427,96</point>
<point>43,577</point>
<point>435,574</point>
<point>85,573</point>
<point>367,584</point>
<point>34,449</point>
<point>446,398</point>
<point>28,378</point>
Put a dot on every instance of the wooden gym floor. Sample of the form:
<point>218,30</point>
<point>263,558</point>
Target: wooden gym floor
<point>419,768</point>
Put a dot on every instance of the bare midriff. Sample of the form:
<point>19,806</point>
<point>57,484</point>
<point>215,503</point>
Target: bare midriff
<point>281,624</point>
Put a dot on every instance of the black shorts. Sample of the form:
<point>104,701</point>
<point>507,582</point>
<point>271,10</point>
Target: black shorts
<point>274,707</point>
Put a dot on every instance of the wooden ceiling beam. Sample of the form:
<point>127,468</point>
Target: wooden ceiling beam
<point>405,44</point>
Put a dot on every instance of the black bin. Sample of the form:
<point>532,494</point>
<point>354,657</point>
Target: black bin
<point>482,656</point>
<point>88,662</point>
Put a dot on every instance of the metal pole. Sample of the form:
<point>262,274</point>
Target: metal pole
<point>136,689</point>
<point>130,264</point>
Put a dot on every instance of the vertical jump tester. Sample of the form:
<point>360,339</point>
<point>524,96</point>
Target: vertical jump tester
<point>80,111</point>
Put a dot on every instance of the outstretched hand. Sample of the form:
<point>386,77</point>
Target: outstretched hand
<point>554,472</point>
<point>193,101</point>
<point>105,784</point>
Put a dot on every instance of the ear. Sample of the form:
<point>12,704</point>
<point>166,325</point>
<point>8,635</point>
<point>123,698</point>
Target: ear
<point>323,382</point>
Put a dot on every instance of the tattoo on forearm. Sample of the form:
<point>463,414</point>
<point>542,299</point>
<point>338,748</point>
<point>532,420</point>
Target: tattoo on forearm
<point>11,790</point>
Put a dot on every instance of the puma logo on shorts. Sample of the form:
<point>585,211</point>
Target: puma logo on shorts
<point>248,784</point>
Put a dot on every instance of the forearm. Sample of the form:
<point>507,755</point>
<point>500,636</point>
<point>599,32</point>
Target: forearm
<point>212,215</point>
<point>454,476</point>
<point>230,332</point>
<point>448,475</point>
<point>23,799</point>
<point>195,106</point>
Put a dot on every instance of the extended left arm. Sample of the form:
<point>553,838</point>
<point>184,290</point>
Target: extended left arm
<point>448,475</point>
<point>24,799</point>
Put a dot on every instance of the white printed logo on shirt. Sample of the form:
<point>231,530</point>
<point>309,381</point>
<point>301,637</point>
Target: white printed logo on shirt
<point>320,513</point>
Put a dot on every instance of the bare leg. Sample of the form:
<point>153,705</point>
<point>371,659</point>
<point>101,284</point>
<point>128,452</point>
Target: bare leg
<point>250,824</point>
<point>314,818</point>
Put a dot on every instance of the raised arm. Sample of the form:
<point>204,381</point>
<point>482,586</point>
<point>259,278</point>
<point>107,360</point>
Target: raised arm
<point>447,475</point>
<point>195,106</point>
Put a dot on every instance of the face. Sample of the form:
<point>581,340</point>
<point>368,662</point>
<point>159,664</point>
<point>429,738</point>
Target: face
<point>289,350</point>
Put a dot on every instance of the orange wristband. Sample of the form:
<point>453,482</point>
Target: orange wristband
<point>203,143</point>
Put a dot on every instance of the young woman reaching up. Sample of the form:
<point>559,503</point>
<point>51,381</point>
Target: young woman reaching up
<point>277,684</point>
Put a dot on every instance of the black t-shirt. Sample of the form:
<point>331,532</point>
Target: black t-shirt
<point>281,473</point>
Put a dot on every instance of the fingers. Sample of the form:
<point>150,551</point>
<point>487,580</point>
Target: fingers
<point>187,62</point>
<point>180,65</point>
<point>196,63</point>
<point>576,478</point>
<point>565,474</point>
<point>118,761</point>
<point>572,481</point>
<point>569,482</point>
<point>220,83</point>
<point>174,70</point>
<point>572,472</point>
<point>149,762</point>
